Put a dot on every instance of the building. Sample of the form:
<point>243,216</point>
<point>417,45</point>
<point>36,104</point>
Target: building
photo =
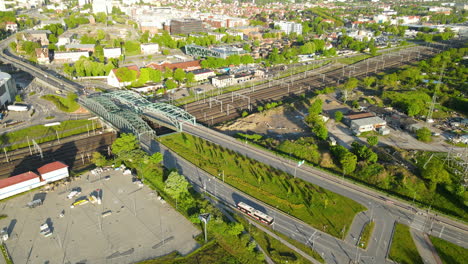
<point>186,65</point>
<point>290,27</point>
<point>81,3</point>
<point>114,81</point>
<point>42,55</point>
<point>39,36</point>
<point>186,26</point>
<point>203,74</point>
<point>150,48</point>
<point>67,57</point>
<point>11,26</point>
<point>53,171</point>
<point>18,184</point>
<point>8,90</point>
<point>104,6</point>
<point>217,52</point>
<point>354,116</point>
<point>29,180</point>
<point>222,81</point>
<point>367,124</point>
<point>80,47</point>
<point>112,52</point>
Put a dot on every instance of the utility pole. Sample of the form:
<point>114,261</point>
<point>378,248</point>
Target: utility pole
<point>434,97</point>
<point>205,218</point>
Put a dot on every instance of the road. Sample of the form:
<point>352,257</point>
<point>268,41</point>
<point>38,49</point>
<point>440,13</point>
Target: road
<point>385,211</point>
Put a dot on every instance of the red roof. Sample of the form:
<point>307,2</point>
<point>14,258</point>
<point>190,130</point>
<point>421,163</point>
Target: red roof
<point>56,165</point>
<point>190,65</point>
<point>17,179</point>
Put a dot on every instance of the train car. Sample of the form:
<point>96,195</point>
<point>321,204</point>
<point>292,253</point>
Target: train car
<point>254,213</point>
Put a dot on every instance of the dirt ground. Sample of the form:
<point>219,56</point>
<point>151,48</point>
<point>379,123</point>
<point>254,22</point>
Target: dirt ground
<point>282,122</point>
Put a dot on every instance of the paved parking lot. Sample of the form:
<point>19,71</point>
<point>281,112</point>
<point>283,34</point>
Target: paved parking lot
<point>140,226</point>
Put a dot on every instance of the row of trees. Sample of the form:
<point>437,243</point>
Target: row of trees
<point>315,120</point>
<point>172,79</point>
<point>235,59</point>
<point>86,67</point>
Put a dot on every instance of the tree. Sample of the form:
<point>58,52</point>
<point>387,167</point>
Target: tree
<point>316,107</point>
<point>166,52</point>
<point>320,130</point>
<point>349,86</point>
<point>348,162</point>
<point>100,17</point>
<point>125,74</point>
<point>179,75</point>
<point>338,116</point>
<point>98,159</point>
<point>369,81</point>
<point>373,140</point>
<point>176,185</point>
<point>190,78</point>
<point>126,143</point>
<point>435,173</point>
<point>156,158</point>
<point>424,134</point>
<point>170,84</point>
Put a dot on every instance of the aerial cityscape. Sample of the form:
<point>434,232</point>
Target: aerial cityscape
<point>233,131</point>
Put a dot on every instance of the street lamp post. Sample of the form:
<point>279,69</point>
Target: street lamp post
<point>298,165</point>
<point>205,218</point>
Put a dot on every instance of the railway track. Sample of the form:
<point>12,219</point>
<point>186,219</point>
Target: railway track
<point>76,153</point>
<point>211,111</point>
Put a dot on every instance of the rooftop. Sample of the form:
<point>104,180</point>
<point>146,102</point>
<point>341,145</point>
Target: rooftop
<point>369,121</point>
<point>17,179</point>
<point>56,165</point>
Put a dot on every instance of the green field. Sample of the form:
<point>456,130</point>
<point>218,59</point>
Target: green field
<point>366,234</point>
<point>210,253</point>
<point>42,134</point>
<point>403,249</point>
<point>314,205</point>
<point>448,252</point>
<point>62,103</point>
<point>277,251</point>
<point>353,59</point>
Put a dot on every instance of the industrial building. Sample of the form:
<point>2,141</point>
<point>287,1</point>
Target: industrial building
<point>186,26</point>
<point>368,124</point>
<point>29,180</point>
<point>8,89</point>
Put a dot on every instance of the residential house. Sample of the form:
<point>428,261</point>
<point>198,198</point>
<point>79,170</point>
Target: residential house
<point>203,74</point>
<point>42,55</point>
<point>67,57</point>
<point>39,36</point>
<point>112,52</point>
<point>11,26</point>
<point>80,47</point>
<point>114,81</point>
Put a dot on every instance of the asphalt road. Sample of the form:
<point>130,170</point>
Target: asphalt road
<point>384,210</point>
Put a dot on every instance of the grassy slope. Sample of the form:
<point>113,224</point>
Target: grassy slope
<point>449,253</point>
<point>314,205</point>
<point>403,249</point>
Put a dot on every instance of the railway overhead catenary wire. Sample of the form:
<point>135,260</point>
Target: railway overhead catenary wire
<point>210,113</point>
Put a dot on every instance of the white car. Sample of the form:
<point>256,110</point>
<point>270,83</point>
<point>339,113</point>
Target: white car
<point>73,194</point>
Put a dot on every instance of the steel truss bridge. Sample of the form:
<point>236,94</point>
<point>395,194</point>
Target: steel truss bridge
<point>124,110</point>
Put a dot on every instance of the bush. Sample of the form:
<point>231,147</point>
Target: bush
<point>424,134</point>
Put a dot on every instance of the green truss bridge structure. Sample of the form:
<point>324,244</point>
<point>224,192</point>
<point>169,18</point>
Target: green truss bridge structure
<point>124,110</point>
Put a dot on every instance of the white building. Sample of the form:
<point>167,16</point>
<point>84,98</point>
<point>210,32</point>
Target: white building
<point>7,89</point>
<point>150,48</point>
<point>367,124</point>
<point>203,74</point>
<point>18,184</point>
<point>66,57</point>
<point>2,5</point>
<point>53,171</point>
<point>11,26</point>
<point>290,27</point>
<point>104,6</point>
<point>115,81</point>
<point>112,52</point>
<point>223,81</point>
<point>82,2</point>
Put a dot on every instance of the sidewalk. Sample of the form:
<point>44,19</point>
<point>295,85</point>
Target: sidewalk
<point>425,247</point>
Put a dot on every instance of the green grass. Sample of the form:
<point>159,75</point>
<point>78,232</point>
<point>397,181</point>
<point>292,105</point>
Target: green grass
<point>62,103</point>
<point>32,93</point>
<point>276,250</point>
<point>42,134</point>
<point>353,59</point>
<point>50,117</point>
<point>314,205</point>
<point>3,216</point>
<point>448,252</point>
<point>366,234</point>
<point>211,252</point>
<point>403,249</point>
<point>5,254</point>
